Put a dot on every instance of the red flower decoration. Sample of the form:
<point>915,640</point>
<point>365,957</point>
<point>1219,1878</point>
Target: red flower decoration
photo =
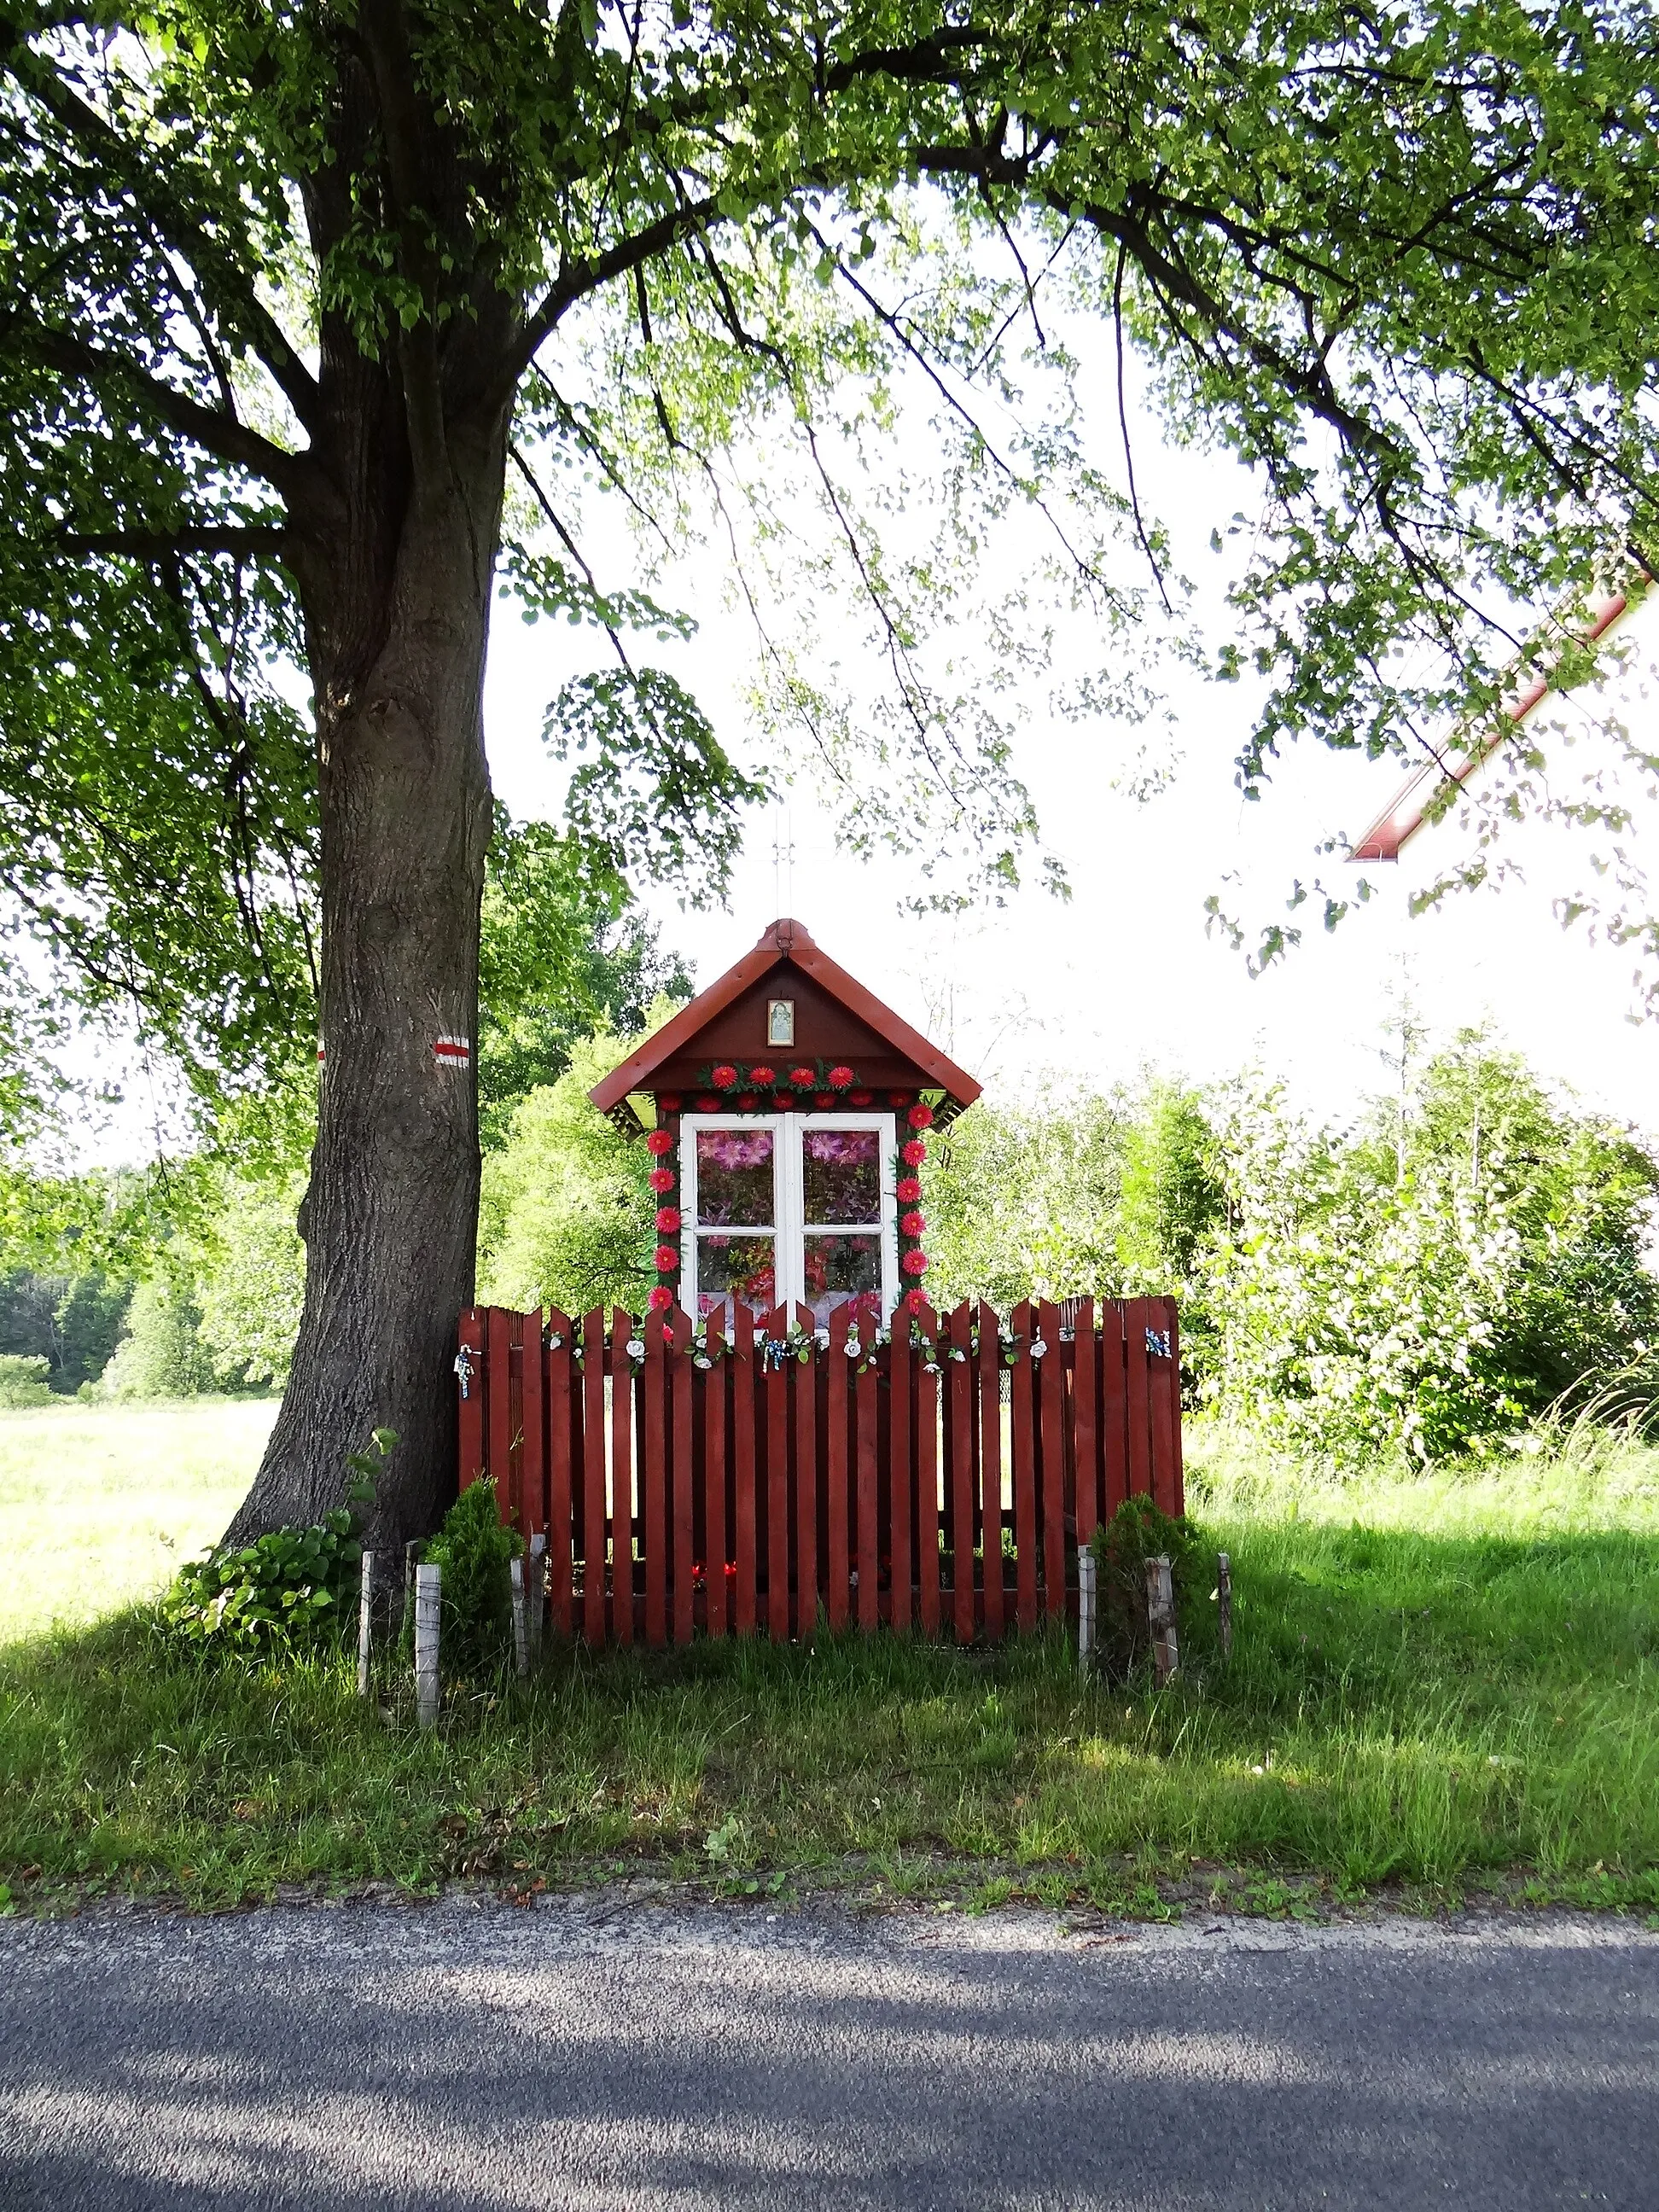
<point>668,1101</point>
<point>913,1153</point>
<point>908,1190</point>
<point>724,1077</point>
<point>898,1098</point>
<point>659,1141</point>
<point>914,1300</point>
<point>914,1263</point>
<point>668,1259</point>
<point>823,1100</point>
<point>920,1117</point>
<point>708,1105</point>
<point>762,1077</point>
<point>660,1299</point>
<point>842,1079</point>
<point>913,1224</point>
<point>662,1179</point>
<point>861,1098</point>
<point>747,1102</point>
<point>803,1078</point>
<point>668,1219</point>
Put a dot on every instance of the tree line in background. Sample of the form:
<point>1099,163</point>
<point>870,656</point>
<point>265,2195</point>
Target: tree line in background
<point>1428,1278</point>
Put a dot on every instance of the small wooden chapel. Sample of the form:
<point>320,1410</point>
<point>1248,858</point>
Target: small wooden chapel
<point>788,1111</point>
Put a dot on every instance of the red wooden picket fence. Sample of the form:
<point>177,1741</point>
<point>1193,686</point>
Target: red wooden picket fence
<point>750,1482</point>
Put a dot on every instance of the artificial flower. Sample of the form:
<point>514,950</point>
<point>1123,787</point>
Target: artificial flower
<point>663,1179</point>
<point>898,1097</point>
<point>668,1101</point>
<point>803,1078</point>
<point>914,1300</point>
<point>908,1190</point>
<point>913,1224</point>
<point>747,1101</point>
<point>823,1100</point>
<point>724,1077</point>
<point>913,1153</point>
<point>660,1299</point>
<point>706,1104</point>
<point>668,1219</point>
<point>920,1117</point>
<point>914,1263</point>
<point>861,1098</point>
<point>762,1077</point>
<point>659,1141</point>
<point>668,1259</point>
<point>842,1079</point>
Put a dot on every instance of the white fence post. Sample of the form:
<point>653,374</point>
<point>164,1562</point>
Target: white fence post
<point>1223,1603</point>
<point>1160,1619</point>
<point>1086,1607</point>
<point>365,1622</point>
<point>428,1605</point>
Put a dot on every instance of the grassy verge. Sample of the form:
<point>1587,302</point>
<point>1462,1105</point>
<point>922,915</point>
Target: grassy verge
<point>99,1503</point>
<point>1447,1684</point>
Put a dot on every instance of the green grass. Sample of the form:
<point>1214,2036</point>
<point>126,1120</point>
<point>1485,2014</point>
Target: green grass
<point>1444,1684</point>
<point>99,1503</point>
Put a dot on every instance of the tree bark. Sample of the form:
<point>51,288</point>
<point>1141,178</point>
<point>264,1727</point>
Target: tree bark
<point>389,1220</point>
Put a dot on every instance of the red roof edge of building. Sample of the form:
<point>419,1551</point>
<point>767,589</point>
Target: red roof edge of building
<point>783,941</point>
<point>1407,811</point>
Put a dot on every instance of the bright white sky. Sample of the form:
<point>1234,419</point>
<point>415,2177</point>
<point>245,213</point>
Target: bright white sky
<point>1125,975</point>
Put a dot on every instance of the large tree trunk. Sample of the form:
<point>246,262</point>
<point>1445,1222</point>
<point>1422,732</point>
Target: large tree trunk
<point>398,609</point>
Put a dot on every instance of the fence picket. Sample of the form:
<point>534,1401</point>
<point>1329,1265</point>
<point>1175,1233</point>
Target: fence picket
<point>471,1354</point>
<point>500,1409</point>
<point>960,1374</point>
<point>806,1494</point>
<point>1137,1394</point>
<point>593,1466</point>
<point>742,1468</point>
<point>1085,1383</point>
<point>555,1368</point>
<point>685,1586</point>
<point>778,1379</point>
<point>1167,1483</point>
<point>839,1505</point>
<point>1114,1410</point>
<point>622,1478</point>
<point>900,1369</point>
<point>653,1481</point>
<point>990,1467</point>
<point>1051,1394</point>
<point>867,1471</point>
<point>714,1381</point>
<point>927,1376</point>
<point>1023,1442</point>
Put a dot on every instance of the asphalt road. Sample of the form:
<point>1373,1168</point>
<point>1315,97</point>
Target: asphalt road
<point>605,2053</point>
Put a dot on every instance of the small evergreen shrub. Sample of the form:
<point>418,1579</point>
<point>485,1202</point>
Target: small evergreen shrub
<point>475,1552</point>
<point>23,1379</point>
<point>1137,1532</point>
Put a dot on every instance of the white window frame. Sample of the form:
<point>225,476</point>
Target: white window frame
<point>790,1228</point>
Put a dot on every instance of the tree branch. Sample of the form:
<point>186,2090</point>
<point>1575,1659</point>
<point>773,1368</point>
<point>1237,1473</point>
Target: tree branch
<point>254,542</point>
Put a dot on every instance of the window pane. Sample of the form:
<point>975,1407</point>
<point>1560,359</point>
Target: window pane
<point>842,1170</point>
<point>734,1178</point>
<point>735,1267</point>
<point>840,1269</point>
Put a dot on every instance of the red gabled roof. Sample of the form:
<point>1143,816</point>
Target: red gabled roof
<point>785,942</point>
<point>1405,812</point>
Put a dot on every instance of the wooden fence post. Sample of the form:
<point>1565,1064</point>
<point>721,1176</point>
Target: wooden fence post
<point>1224,1602</point>
<point>520,1616</point>
<point>428,1602</point>
<point>1160,1619</point>
<point>365,1622</point>
<point>411,1560</point>
<point>1085,1608</point>
<point>535,1595</point>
